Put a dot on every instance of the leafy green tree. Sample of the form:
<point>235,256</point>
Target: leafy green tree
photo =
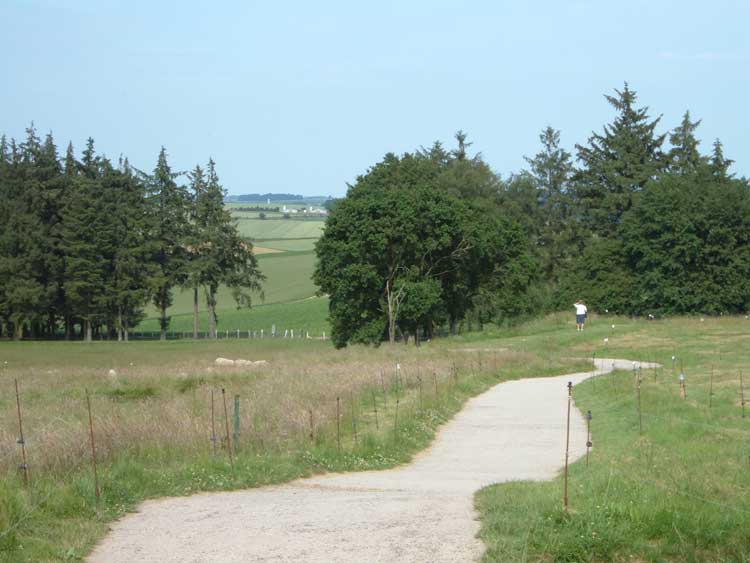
<point>400,249</point>
<point>422,303</point>
<point>384,233</point>
<point>618,163</point>
<point>688,245</point>
<point>168,208</point>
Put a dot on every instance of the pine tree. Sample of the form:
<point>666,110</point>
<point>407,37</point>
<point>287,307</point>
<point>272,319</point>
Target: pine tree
<point>83,243</point>
<point>684,157</point>
<point>223,258</point>
<point>197,255</point>
<point>49,206</point>
<point>551,169</point>
<point>618,163</point>
<point>5,206</point>
<point>125,248</point>
<point>69,179</point>
<point>168,207</point>
<point>22,244</point>
<point>718,163</point>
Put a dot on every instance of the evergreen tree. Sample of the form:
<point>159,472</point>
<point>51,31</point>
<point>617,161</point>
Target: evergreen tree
<point>49,205</point>
<point>83,244</point>
<point>126,248</point>
<point>223,258</point>
<point>22,245</point>
<point>551,169</point>
<point>684,157</point>
<point>197,258</point>
<point>718,163</point>
<point>618,163</point>
<point>168,207</point>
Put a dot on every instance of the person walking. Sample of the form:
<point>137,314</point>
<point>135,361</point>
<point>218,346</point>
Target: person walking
<point>581,311</point>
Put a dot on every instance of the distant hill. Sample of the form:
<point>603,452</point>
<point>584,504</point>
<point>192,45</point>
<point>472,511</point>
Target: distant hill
<point>277,198</point>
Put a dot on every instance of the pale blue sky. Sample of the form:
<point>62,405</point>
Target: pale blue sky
<point>303,96</point>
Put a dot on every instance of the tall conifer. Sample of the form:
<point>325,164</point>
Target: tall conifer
<point>168,207</point>
<point>618,163</point>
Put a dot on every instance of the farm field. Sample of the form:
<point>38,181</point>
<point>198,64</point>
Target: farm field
<point>272,229</point>
<point>287,289</point>
<point>294,245</point>
<point>674,491</point>
<point>287,259</point>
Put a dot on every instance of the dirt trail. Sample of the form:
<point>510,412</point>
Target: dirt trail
<point>419,512</point>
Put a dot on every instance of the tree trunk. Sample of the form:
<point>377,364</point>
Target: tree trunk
<point>212,313</point>
<point>69,328</point>
<point>87,332</point>
<point>195,312</point>
<point>163,323</point>
<point>119,324</point>
<point>391,313</point>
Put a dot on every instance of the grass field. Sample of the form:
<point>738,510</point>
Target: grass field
<point>152,422</point>
<point>307,315</point>
<point>287,260</point>
<point>675,491</point>
<point>297,245</point>
<point>288,289</point>
<point>273,229</point>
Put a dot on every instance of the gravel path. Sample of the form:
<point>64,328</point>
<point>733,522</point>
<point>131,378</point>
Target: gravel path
<point>422,512</point>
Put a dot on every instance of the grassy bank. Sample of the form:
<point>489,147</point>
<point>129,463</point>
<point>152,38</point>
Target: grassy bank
<point>152,422</point>
<point>672,487</point>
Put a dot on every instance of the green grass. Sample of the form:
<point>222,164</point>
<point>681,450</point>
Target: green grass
<point>272,229</point>
<point>678,491</point>
<point>308,315</point>
<point>304,244</point>
<point>288,280</point>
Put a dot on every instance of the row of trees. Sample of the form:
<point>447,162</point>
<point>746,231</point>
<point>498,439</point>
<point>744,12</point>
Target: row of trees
<point>86,243</point>
<point>643,222</point>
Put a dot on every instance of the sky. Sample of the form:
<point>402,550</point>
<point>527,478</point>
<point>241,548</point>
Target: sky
<point>301,97</point>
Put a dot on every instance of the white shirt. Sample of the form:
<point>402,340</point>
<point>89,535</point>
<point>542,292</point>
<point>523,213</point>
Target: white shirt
<point>580,309</point>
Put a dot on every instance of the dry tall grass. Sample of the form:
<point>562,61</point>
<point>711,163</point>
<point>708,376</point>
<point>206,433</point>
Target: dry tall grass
<point>149,405</point>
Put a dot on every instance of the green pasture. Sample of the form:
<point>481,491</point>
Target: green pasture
<point>309,315</point>
<point>294,245</point>
<point>288,279</point>
<point>272,229</point>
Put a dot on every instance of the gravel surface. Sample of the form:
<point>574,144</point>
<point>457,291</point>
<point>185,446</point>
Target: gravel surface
<point>422,512</point>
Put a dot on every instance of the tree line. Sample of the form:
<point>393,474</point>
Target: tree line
<point>86,245</point>
<point>641,222</point>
